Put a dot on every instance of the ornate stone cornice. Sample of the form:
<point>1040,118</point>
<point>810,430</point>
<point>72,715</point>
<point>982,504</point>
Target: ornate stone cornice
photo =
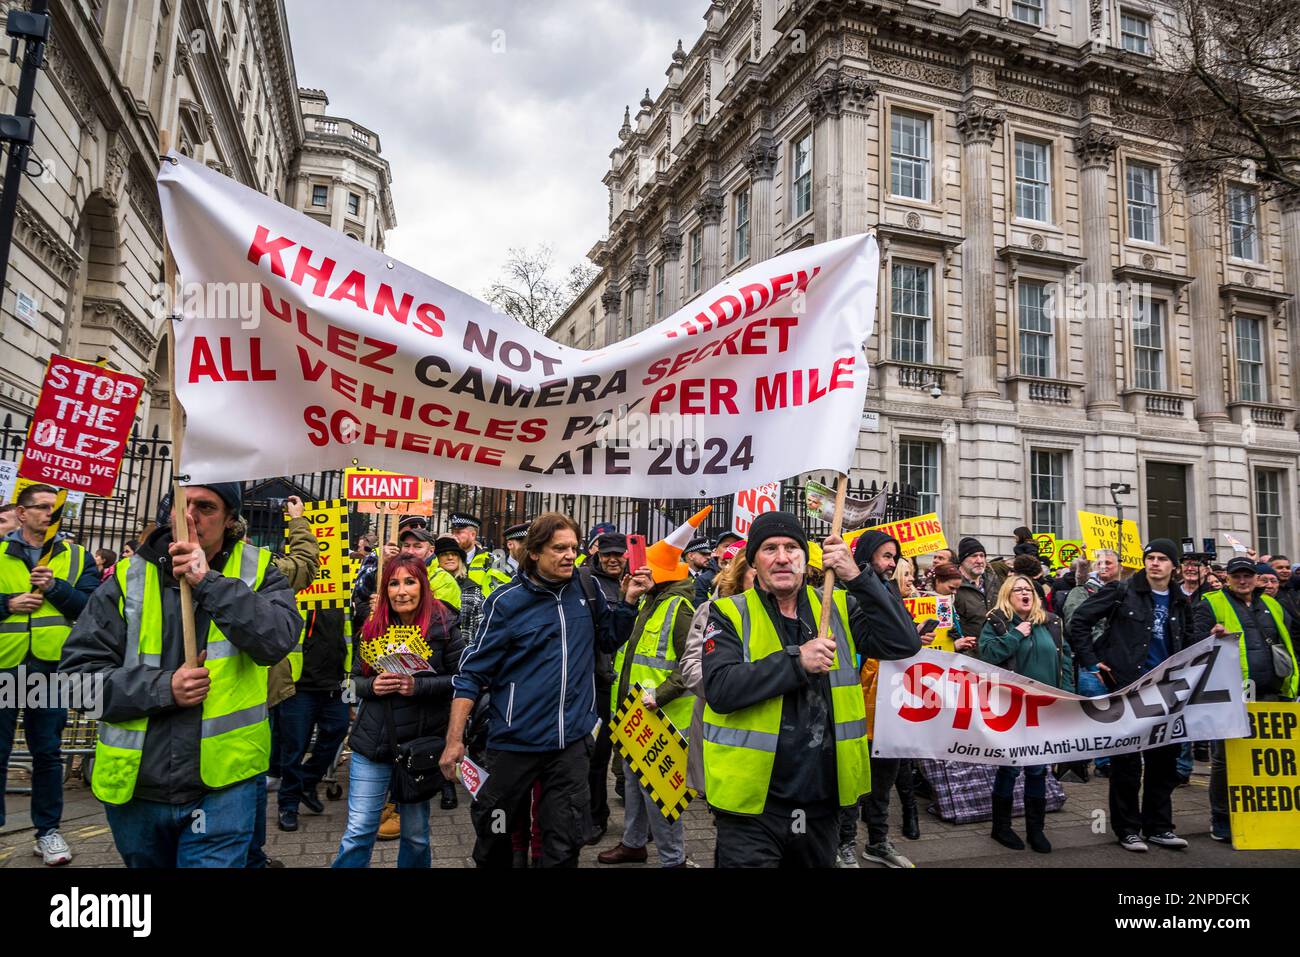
<point>760,158</point>
<point>978,123</point>
<point>110,314</point>
<point>709,207</point>
<point>1096,147</point>
<point>32,233</point>
<point>837,91</point>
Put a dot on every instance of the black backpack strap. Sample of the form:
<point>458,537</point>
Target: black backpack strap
<point>588,591</point>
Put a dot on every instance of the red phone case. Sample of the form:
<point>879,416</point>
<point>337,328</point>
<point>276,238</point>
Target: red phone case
<point>635,552</point>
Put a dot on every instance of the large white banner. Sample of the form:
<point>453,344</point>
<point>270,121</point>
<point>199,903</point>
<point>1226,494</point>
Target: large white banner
<point>304,350</point>
<point>954,707</point>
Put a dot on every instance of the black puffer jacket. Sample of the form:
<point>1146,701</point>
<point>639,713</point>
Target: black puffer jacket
<point>424,713</point>
<point>1128,610</point>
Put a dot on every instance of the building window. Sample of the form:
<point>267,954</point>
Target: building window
<point>1268,511</point>
<point>697,259</point>
<point>1252,386</point>
<point>1143,183</point>
<point>630,322</point>
<point>911,310</point>
<point>659,292</point>
<point>1135,32</point>
<point>1047,491</point>
<point>354,204</point>
<point>1149,344</point>
<point>909,155</point>
<point>742,227</point>
<point>1028,11</point>
<point>1243,223</point>
<point>1033,180</point>
<point>918,466</point>
<point>802,176</point>
<point>1037,318</point>
<point>320,196</point>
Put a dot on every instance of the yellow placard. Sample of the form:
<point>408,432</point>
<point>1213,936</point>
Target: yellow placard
<point>1046,543</point>
<point>923,608</point>
<point>333,585</point>
<point>655,750</point>
<point>1067,550</point>
<point>1099,531</point>
<point>1263,781</point>
<point>916,536</point>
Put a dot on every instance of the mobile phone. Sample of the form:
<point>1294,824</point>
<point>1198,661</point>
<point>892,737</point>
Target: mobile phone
<point>1209,548</point>
<point>929,626</point>
<point>635,552</point>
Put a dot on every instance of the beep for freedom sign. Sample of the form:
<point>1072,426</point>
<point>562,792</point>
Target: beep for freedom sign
<point>956,708</point>
<point>355,357</point>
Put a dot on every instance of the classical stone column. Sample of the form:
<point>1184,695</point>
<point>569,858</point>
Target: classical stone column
<point>1203,294</point>
<point>856,95</point>
<point>338,208</point>
<point>1095,147</point>
<point>760,160</point>
<point>709,209</point>
<point>1291,270</point>
<point>978,125</point>
<point>637,276</point>
<point>671,244</point>
<point>611,300</point>
<point>824,108</point>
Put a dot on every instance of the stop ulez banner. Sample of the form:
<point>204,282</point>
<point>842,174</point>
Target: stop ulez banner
<point>355,358</point>
<point>953,707</point>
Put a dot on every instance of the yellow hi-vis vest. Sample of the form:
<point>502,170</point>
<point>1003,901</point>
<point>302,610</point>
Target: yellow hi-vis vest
<point>235,741</point>
<point>44,630</point>
<point>1226,615</point>
<point>443,584</point>
<point>481,573</point>
<point>740,747</point>
<point>654,658</point>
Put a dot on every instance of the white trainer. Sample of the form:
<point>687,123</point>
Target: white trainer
<point>53,849</point>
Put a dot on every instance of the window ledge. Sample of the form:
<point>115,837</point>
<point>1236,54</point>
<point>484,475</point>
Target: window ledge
<point>1263,414</point>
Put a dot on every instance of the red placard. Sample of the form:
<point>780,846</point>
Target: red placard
<point>82,422</point>
<point>368,486</point>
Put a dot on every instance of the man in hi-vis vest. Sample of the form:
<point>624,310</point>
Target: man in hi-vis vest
<point>38,604</point>
<point>785,727</point>
<point>181,749</point>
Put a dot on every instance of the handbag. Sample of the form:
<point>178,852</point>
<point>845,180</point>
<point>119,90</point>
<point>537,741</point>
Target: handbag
<point>1283,665</point>
<point>416,776</point>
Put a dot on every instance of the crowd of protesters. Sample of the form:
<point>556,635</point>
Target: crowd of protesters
<point>531,650</point>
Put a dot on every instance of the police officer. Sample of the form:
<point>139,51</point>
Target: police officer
<point>478,561</point>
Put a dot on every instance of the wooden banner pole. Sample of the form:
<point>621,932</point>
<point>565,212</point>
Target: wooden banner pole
<point>180,529</point>
<point>828,586</point>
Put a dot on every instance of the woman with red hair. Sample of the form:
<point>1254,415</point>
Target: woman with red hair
<point>416,705</point>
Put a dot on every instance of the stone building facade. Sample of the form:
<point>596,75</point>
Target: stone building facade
<point>1087,308</point>
<point>86,264</point>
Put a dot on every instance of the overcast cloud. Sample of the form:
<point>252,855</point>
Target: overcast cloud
<point>490,150</point>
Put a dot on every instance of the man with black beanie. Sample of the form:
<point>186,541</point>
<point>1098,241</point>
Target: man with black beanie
<point>785,743</point>
<point>978,591</point>
<point>876,553</point>
<point>1147,619</point>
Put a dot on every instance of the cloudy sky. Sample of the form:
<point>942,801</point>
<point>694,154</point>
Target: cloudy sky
<point>497,116</point>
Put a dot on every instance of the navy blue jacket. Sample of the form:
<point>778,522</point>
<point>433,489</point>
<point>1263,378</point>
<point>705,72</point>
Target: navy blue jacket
<point>534,653</point>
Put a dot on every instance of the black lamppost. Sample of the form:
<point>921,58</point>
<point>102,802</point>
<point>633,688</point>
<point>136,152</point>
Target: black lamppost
<point>18,130</point>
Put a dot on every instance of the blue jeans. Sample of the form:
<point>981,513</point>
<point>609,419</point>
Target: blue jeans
<point>44,730</point>
<point>215,831</point>
<point>1185,761</point>
<point>367,792</point>
<point>323,710</point>
<point>642,818</point>
<point>1090,686</point>
<point>1004,784</point>
<point>256,848</point>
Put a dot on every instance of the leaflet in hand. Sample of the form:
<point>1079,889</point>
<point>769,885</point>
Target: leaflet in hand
<point>401,651</point>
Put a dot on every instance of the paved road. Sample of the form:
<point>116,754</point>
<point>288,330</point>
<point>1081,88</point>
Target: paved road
<point>1072,830</point>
